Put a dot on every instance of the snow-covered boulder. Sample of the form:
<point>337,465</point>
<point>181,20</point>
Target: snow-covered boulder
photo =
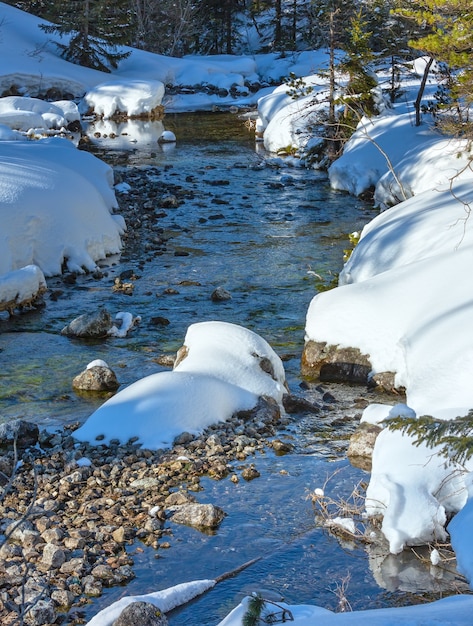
<point>132,98</point>
<point>225,371</point>
<point>234,354</point>
<point>21,288</point>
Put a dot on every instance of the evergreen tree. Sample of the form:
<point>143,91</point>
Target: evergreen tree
<point>389,39</point>
<point>448,39</point>
<point>92,32</point>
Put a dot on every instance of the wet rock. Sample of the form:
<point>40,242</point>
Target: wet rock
<point>96,378</point>
<point>250,473</point>
<point>266,411</point>
<point>157,320</point>
<point>89,325</point>
<point>330,363</point>
<point>384,381</point>
<point>295,404</point>
<point>141,614</point>
<point>169,202</point>
<point>198,515</point>
<point>281,447</point>
<point>360,448</point>
<point>220,295</point>
<point>24,433</point>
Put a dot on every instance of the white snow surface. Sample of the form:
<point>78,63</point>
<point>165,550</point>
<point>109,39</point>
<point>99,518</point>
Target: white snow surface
<point>236,355</point>
<point>134,97</point>
<point>165,600</point>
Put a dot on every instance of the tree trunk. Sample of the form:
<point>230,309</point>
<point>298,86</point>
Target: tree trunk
<point>420,93</point>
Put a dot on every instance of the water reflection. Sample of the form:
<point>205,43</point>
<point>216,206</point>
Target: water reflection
<point>129,135</point>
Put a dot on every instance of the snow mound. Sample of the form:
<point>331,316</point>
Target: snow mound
<point>218,378</point>
<point>24,114</point>
<point>233,354</point>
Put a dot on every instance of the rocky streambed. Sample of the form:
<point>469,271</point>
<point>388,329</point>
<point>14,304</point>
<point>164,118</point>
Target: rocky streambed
<point>73,513</point>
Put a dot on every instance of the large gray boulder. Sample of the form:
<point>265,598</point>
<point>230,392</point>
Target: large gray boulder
<point>89,325</point>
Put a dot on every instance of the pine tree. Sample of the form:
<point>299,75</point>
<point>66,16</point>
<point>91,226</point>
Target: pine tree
<point>92,32</point>
<point>448,39</point>
<point>455,437</point>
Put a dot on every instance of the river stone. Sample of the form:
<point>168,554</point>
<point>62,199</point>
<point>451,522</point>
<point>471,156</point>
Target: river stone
<point>141,614</point>
<point>330,363</point>
<point>15,531</point>
<point>89,325</point>
<point>24,433</point>
<point>41,613</point>
<point>96,378</point>
<point>53,556</point>
<point>220,295</point>
<point>198,515</point>
<point>360,448</point>
<point>250,473</point>
<point>295,404</point>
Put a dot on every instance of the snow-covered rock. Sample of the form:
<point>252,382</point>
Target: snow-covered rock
<point>131,97</point>
<point>225,371</point>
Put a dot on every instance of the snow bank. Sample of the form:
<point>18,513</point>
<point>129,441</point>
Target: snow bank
<point>404,301</point>
<point>285,120</point>
<point>460,534</point>
<point>28,113</point>
<point>453,610</point>
<point>415,496</point>
<point>57,202</point>
<point>219,377</point>
<point>372,150</point>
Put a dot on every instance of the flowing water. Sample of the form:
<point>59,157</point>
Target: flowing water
<point>269,235</point>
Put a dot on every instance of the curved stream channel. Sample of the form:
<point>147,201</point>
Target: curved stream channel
<point>267,235</point>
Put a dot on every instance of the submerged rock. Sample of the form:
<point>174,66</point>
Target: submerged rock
<point>220,295</point>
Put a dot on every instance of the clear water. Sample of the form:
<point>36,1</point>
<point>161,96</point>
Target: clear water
<point>263,233</point>
<point>259,240</point>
